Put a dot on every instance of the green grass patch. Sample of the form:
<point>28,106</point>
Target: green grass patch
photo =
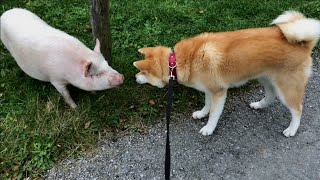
<point>37,128</point>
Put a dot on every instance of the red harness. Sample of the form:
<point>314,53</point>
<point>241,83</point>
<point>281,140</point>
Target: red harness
<point>172,66</point>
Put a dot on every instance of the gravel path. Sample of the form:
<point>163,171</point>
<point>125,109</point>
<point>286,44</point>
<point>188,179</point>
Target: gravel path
<point>247,144</point>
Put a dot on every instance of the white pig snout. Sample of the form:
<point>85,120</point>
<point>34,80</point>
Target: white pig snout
<point>116,79</point>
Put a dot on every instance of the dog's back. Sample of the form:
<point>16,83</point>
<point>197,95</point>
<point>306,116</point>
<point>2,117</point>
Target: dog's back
<point>245,54</point>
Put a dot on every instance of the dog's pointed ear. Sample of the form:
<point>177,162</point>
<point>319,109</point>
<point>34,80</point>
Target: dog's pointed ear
<point>142,51</point>
<point>142,65</point>
<point>145,51</point>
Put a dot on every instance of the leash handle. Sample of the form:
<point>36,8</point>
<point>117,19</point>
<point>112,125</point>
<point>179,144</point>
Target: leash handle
<point>168,112</point>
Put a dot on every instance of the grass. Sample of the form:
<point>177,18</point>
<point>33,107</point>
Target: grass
<point>37,128</point>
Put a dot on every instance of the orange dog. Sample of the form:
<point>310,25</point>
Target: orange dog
<point>279,57</point>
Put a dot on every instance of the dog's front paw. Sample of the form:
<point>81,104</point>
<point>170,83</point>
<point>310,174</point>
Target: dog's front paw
<point>198,114</point>
<point>206,130</point>
<point>256,105</point>
<point>290,131</point>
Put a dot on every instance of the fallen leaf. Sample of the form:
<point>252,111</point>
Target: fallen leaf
<point>123,120</point>
<point>142,130</point>
<point>16,168</point>
<point>152,102</point>
<point>49,106</point>
<point>87,125</point>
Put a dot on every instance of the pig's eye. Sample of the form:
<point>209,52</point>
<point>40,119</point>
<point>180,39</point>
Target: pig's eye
<point>97,75</point>
<point>100,74</point>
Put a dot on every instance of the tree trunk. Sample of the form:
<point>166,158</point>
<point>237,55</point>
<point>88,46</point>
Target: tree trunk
<point>101,26</point>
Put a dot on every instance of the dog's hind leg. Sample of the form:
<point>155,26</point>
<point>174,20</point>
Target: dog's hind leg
<point>217,102</point>
<point>291,92</point>
<point>269,94</point>
<point>205,110</point>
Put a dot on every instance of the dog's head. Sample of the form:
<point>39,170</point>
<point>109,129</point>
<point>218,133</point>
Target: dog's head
<point>154,67</point>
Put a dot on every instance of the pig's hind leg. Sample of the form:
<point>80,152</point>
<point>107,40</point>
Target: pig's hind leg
<point>62,88</point>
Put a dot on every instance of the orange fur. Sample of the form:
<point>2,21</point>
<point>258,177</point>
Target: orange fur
<point>213,62</point>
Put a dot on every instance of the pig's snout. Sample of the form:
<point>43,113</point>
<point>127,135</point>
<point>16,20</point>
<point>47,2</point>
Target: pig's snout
<point>116,79</point>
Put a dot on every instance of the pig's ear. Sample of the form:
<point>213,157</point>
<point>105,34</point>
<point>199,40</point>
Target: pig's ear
<point>86,67</point>
<point>97,47</point>
<point>142,65</point>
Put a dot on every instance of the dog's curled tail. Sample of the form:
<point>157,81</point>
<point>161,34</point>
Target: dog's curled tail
<point>299,29</point>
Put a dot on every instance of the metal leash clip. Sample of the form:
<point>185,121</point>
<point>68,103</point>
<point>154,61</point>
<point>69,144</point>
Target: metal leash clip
<point>171,73</point>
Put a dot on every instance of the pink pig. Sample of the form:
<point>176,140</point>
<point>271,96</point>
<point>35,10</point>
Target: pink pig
<point>48,54</point>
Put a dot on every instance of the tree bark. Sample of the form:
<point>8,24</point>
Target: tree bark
<point>101,26</point>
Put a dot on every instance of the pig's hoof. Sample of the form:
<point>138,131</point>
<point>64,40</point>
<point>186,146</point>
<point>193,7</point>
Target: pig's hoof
<point>73,106</point>
<point>94,92</point>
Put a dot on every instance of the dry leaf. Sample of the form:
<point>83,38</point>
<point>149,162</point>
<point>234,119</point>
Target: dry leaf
<point>152,102</point>
<point>123,120</point>
<point>16,168</point>
<point>49,106</point>
<point>87,125</point>
<point>142,130</point>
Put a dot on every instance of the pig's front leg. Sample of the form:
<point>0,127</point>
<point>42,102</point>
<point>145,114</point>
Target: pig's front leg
<point>62,88</point>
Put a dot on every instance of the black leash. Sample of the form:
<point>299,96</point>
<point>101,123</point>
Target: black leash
<point>172,78</point>
<point>168,112</point>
